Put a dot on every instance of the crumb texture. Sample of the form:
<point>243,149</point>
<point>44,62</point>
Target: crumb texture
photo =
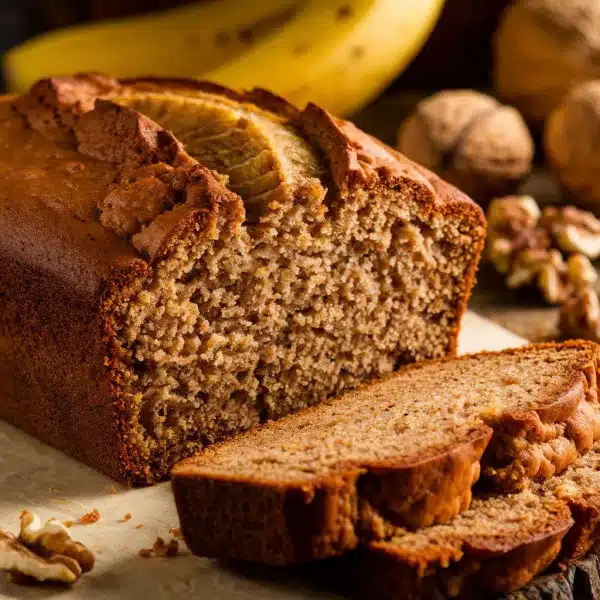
<point>315,294</point>
<point>287,256</point>
<point>428,409</point>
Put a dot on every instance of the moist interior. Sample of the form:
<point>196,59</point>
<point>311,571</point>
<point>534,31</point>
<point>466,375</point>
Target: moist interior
<point>313,295</point>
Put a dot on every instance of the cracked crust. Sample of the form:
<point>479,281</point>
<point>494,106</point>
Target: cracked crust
<point>98,252</point>
<point>537,444</point>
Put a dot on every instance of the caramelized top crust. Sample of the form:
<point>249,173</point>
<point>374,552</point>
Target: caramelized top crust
<point>75,115</point>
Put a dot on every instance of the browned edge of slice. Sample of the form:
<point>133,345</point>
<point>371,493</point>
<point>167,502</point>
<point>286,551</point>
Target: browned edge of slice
<point>585,532</point>
<point>574,411</point>
<point>379,572</point>
<point>296,522</point>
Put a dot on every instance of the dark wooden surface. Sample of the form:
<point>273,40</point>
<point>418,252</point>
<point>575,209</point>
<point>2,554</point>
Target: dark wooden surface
<point>520,311</point>
<point>581,581</point>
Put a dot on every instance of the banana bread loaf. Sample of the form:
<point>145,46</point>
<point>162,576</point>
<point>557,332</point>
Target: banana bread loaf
<point>173,276</point>
<point>404,451</point>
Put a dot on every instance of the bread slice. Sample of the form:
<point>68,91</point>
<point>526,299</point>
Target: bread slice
<point>401,451</point>
<point>180,262</point>
<point>498,545</point>
<point>579,487</point>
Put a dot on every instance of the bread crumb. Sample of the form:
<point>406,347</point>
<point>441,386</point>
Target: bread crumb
<point>161,549</point>
<point>176,532</point>
<point>126,517</point>
<point>140,526</point>
<point>92,517</point>
<point>68,523</point>
<point>112,489</point>
<point>172,548</point>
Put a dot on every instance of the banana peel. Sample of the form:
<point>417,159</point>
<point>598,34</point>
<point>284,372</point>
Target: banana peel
<point>340,55</point>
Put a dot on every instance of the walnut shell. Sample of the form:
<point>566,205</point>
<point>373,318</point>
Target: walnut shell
<point>471,140</point>
<point>544,47</point>
<point>572,144</point>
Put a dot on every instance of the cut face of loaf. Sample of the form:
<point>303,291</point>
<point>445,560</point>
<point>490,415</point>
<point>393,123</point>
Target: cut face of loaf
<point>404,451</point>
<point>498,545</point>
<point>264,259</point>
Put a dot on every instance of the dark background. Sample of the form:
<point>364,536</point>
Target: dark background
<point>457,54</point>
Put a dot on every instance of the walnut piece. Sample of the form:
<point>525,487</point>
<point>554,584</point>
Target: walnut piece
<point>43,552</point>
<point>580,271</point>
<point>25,565</point>
<point>512,226</point>
<point>573,230</point>
<point>53,539</point>
<point>520,246</point>
<point>580,315</point>
<point>471,140</point>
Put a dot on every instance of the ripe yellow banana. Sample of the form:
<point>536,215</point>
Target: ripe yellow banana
<point>339,55</point>
<point>184,41</point>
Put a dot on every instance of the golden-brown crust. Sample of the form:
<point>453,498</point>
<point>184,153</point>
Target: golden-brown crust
<point>54,334</point>
<point>325,516</point>
<point>381,571</point>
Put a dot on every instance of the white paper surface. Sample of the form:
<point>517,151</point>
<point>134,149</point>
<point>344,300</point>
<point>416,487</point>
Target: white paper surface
<point>39,478</point>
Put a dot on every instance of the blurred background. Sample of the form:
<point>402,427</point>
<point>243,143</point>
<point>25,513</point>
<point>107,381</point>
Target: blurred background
<point>457,54</point>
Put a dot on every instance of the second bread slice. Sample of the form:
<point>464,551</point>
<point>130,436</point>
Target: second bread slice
<point>404,451</point>
<point>498,545</point>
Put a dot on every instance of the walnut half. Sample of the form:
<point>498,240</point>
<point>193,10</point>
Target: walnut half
<point>43,552</point>
<point>53,539</point>
<point>24,564</point>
